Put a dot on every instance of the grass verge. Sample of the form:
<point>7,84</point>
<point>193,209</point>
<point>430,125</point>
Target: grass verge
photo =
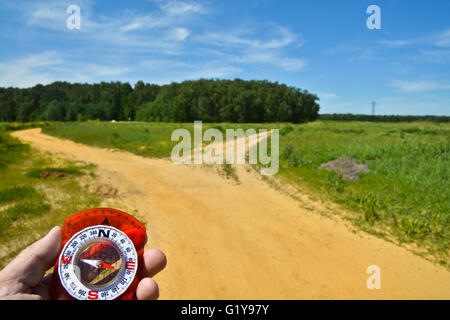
<point>32,203</point>
<point>405,197</point>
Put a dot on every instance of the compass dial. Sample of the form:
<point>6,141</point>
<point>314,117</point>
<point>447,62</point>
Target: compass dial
<point>97,263</point>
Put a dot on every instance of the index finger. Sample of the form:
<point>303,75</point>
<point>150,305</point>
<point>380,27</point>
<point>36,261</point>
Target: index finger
<point>154,261</point>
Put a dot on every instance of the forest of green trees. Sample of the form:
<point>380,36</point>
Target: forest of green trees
<point>207,100</point>
<point>381,118</point>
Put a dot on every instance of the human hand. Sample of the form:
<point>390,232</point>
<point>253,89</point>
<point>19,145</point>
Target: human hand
<point>23,278</point>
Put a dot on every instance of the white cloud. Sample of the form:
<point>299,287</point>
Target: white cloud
<point>439,56</point>
<point>180,34</point>
<point>49,15</point>
<point>396,43</point>
<point>270,58</point>
<point>212,70</point>
<point>101,70</point>
<point>418,86</point>
<point>181,8</point>
<point>48,66</point>
<point>52,15</point>
<point>236,39</point>
<point>443,39</point>
<point>128,31</point>
<point>29,70</point>
<point>440,39</point>
<point>327,95</point>
<point>243,47</point>
<point>135,25</point>
<point>170,14</point>
<point>166,71</point>
<point>118,46</point>
<point>351,51</point>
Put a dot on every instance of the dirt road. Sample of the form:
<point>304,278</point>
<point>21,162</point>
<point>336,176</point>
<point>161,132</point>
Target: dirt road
<point>226,240</point>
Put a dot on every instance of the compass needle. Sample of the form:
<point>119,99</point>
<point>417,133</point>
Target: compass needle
<point>104,265</point>
<point>93,263</point>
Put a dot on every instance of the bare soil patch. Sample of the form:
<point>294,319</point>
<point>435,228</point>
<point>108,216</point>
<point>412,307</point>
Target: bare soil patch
<point>54,174</point>
<point>347,167</point>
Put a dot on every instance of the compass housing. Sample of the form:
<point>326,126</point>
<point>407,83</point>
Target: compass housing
<point>102,250</point>
<point>97,268</point>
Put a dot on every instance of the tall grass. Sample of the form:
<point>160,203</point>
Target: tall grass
<point>139,138</point>
<point>406,195</point>
<point>30,205</point>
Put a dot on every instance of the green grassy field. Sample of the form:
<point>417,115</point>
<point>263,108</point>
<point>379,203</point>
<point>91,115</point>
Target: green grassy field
<point>142,138</point>
<point>139,138</point>
<point>405,197</point>
<point>37,192</point>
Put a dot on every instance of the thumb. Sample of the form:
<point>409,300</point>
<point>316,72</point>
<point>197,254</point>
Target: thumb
<point>30,265</point>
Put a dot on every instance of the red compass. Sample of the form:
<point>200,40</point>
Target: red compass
<point>101,254</point>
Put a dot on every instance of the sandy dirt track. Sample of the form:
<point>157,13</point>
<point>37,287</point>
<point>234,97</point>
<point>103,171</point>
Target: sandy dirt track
<point>226,240</point>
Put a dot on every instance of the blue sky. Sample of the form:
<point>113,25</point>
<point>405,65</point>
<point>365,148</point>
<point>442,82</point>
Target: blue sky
<point>322,46</point>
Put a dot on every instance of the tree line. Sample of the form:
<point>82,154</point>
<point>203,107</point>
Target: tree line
<point>381,118</point>
<point>207,100</point>
<point>63,101</point>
